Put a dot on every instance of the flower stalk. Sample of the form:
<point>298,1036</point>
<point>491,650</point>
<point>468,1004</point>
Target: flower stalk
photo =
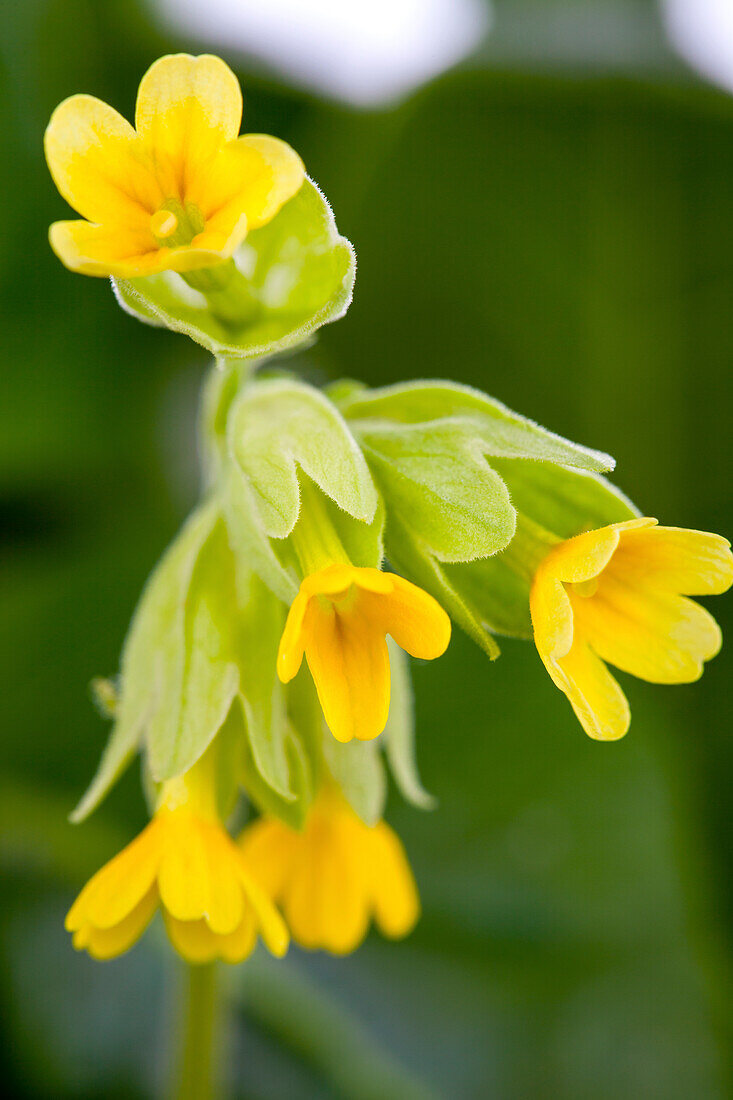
<point>197,1069</point>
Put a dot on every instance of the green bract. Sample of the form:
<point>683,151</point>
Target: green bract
<point>204,636</point>
<point>293,275</point>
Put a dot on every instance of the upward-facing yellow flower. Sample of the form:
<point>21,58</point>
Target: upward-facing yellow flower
<point>179,191</point>
<point>619,595</point>
<point>339,619</point>
<point>186,863</point>
<point>335,876</point>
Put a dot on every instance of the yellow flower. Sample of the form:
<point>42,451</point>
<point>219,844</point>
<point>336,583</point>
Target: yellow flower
<point>619,595</point>
<point>339,619</point>
<point>186,863</point>
<point>332,878</point>
<point>179,191</point>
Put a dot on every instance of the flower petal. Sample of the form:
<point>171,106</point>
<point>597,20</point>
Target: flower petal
<point>292,643</point>
<point>226,903</point>
<point>693,563</point>
<point>598,701</point>
<point>108,943</point>
<point>256,175</point>
<point>416,621</point>
<point>187,109</point>
<point>183,876</point>
<point>326,903</point>
<point>99,164</point>
<point>118,887</point>
<point>269,849</point>
<point>192,939</point>
<point>103,250</point>
<point>395,898</point>
<point>349,661</point>
<point>652,634</point>
<point>552,615</point>
<point>270,924</point>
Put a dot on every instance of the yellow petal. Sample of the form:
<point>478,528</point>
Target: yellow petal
<point>254,175</point>
<point>652,634</point>
<point>192,939</point>
<point>222,236</point>
<point>292,643</point>
<point>596,698</point>
<point>196,943</point>
<point>694,563</point>
<point>183,876</point>
<point>349,662</point>
<point>270,924</point>
<point>108,943</point>
<point>99,164</point>
<point>416,621</point>
<point>102,250</point>
<point>225,908</point>
<point>326,902</point>
<point>239,944</point>
<point>552,615</point>
<point>118,887</point>
<point>582,557</point>
<point>269,850</point>
<point>395,898</point>
<point>187,109</point>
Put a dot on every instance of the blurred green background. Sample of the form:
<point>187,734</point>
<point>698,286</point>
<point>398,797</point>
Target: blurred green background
<point>552,222</point>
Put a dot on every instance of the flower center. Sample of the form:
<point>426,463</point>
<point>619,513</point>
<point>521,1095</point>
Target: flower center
<point>176,224</point>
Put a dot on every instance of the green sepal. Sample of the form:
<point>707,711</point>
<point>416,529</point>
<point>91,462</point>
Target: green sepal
<point>279,426</point>
<point>553,503</point>
<point>292,811</point>
<point>399,733</point>
<point>297,272</point>
<point>413,560</point>
<point>151,653</point>
<point>362,542</point>
<point>434,448</point>
<point>358,769</point>
<point>564,502</point>
<point>249,542</point>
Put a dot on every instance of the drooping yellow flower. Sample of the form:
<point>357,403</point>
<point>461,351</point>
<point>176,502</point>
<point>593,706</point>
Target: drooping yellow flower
<point>335,876</point>
<point>339,619</point>
<point>181,190</point>
<point>618,594</point>
<point>186,863</point>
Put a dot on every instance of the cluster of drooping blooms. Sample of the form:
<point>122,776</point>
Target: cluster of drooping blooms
<point>485,519</point>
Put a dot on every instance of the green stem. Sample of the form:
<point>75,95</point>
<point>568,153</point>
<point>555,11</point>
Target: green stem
<point>197,1063</point>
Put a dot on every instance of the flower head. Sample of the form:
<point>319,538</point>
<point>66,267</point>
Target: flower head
<point>339,619</point>
<point>335,876</point>
<point>181,190</point>
<point>618,594</point>
<point>186,863</point>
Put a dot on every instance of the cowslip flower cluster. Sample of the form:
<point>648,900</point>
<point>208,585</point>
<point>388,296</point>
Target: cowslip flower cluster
<point>347,525</point>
